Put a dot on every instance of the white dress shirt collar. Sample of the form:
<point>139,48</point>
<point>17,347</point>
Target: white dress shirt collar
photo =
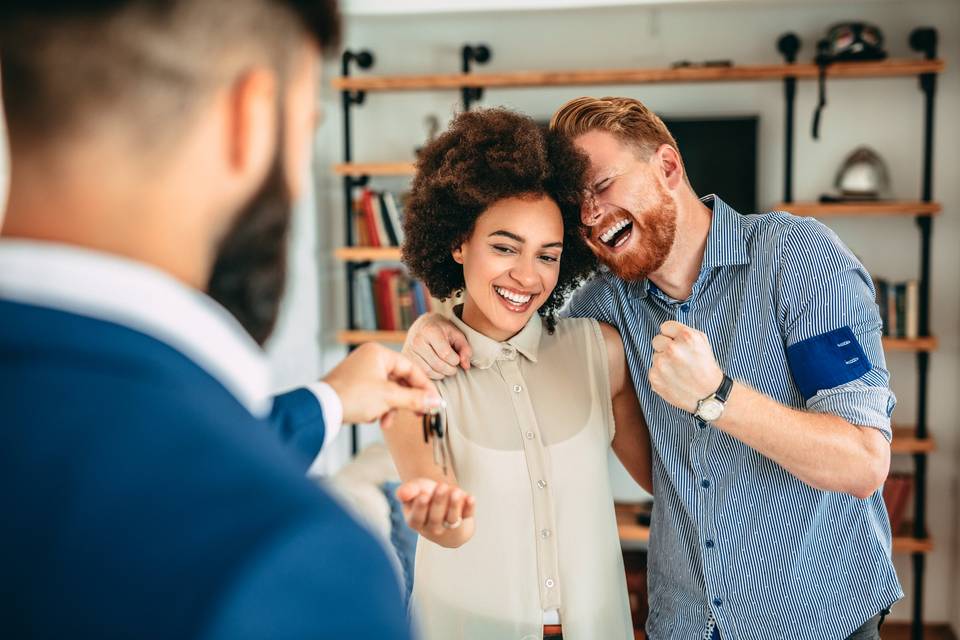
<point>143,298</point>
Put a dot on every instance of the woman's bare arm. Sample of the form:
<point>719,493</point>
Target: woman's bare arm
<point>631,441</point>
<point>430,498</point>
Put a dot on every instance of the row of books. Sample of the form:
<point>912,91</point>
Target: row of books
<point>377,219</point>
<point>388,299</point>
<point>896,495</point>
<point>899,304</point>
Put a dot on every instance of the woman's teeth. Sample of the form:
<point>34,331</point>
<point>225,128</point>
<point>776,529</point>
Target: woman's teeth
<point>513,297</point>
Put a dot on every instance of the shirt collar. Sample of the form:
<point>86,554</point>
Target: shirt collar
<point>487,351</point>
<point>726,243</point>
<point>135,295</point>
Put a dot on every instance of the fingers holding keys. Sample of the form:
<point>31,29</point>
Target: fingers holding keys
<point>373,381</point>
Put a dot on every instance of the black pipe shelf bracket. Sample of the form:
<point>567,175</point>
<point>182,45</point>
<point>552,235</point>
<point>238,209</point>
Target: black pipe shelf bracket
<point>363,59</point>
<point>470,54</point>
<point>923,40</point>
<point>788,45</point>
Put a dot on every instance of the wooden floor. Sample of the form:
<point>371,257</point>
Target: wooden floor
<point>894,631</point>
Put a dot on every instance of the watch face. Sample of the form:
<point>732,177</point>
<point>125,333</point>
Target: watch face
<point>710,409</point>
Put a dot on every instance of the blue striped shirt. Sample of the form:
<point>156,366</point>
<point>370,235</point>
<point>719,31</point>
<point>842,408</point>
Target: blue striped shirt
<point>735,539</point>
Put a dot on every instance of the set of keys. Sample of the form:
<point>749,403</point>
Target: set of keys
<point>433,432</point>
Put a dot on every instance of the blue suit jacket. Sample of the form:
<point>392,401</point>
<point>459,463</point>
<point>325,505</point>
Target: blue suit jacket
<point>139,499</point>
<point>297,419</point>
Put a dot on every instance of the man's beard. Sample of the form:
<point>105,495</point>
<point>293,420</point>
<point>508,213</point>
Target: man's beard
<point>250,270</point>
<point>657,229</point>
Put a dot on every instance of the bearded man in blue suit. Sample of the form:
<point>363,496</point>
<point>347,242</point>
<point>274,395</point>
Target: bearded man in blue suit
<point>156,148</point>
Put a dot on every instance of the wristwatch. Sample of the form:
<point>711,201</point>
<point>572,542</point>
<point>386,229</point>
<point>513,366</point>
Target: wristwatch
<point>711,408</point>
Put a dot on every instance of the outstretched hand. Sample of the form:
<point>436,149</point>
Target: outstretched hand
<point>437,510</point>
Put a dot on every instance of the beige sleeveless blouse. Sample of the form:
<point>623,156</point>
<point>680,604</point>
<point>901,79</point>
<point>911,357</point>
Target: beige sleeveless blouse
<point>529,431</point>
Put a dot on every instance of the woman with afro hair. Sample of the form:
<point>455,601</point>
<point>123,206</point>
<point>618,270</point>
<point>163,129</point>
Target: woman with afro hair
<point>518,533</point>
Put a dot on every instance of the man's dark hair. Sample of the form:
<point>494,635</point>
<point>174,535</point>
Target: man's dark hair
<point>69,65</point>
<point>486,156</point>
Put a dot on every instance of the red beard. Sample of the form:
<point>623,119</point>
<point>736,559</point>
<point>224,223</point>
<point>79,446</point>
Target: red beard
<point>657,229</point>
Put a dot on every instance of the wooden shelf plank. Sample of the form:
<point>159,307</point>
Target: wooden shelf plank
<point>374,169</point>
<point>910,344</point>
<point>905,543</point>
<point>359,337</point>
<point>627,525</point>
<point>367,254</point>
<point>736,73</point>
<point>905,440</point>
<point>878,208</point>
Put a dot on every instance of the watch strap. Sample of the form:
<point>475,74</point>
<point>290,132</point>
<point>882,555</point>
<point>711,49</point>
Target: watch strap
<point>723,393</point>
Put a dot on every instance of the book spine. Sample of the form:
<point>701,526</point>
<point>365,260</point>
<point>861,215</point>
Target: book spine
<point>900,306</point>
<point>393,212</point>
<point>405,300</point>
<point>385,304</point>
<point>419,299</point>
<point>370,218</point>
<point>385,219</point>
<point>883,294</point>
<point>396,317</point>
<point>912,322</point>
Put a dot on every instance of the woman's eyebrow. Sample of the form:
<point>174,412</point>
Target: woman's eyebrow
<point>552,245</point>
<point>507,234</point>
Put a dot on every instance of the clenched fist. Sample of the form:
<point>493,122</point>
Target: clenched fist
<point>684,370</point>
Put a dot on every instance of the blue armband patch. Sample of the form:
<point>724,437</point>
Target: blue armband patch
<point>827,361</point>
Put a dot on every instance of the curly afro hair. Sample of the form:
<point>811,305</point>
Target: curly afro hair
<point>486,156</point>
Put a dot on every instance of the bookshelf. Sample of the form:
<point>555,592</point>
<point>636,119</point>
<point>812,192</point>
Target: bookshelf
<point>915,440</point>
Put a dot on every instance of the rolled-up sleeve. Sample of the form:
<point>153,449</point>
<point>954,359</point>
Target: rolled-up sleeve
<point>834,335</point>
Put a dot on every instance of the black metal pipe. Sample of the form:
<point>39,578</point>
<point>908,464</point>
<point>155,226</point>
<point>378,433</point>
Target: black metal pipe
<point>916,623</point>
<point>468,55</point>
<point>788,45</point>
<point>925,41</point>
<point>364,60</point>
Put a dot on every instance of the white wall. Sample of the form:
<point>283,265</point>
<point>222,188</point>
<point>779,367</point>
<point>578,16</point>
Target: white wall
<point>885,114</point>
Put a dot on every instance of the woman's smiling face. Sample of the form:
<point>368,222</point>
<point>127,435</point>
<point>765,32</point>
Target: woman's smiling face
<point>511,263</point>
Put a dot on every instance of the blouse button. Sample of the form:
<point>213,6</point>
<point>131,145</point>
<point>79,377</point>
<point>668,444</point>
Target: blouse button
<point>549,582</point>
<point>529,435</point>
<point>545,533</point>
<point>517,388</point>
<point>542,484</point>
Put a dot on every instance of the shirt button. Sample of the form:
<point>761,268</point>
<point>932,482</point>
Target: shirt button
<point>549,583</point>
<point>542,484</point>
<point>529,435</point>
<point>545,533</point>
<point>685,308</point>
<point>709,544</point>
<point>717,602</point>
<point>517,388</point>
<point>705,484</point>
